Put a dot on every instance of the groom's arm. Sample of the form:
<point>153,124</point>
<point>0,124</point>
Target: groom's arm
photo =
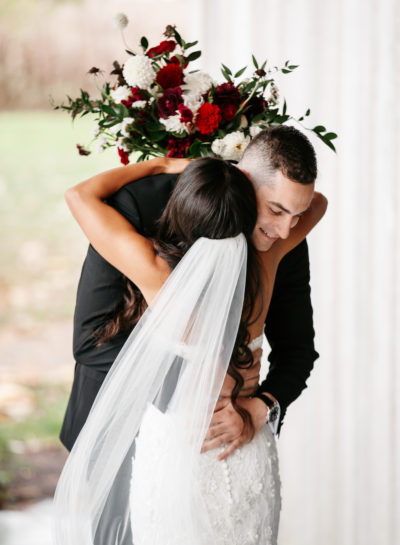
<point>289,330</point>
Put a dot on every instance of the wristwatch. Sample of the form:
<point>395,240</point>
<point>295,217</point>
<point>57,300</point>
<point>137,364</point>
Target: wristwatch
<point>273,406</point>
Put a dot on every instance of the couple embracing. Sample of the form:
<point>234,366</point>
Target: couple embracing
<point>173,436</point>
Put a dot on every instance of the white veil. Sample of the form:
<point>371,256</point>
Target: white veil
<point>175,360</point>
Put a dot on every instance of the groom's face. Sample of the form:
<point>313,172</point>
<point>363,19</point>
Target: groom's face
<point>280,205</point>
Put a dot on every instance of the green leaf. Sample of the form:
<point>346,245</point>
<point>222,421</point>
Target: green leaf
<point>255,61</point>
<point>285,71</point>
<point>325,141</point>
<point>191,44</point>
<point>284,107</point>
<point>293,66</point>
<point>240,72</point>
<point>264,64</point>
<point>144,43</point>
<point>194,149</point>
<point>130,52</point>
<point>193,56</point>
<point>177,37</point>
<point>319,128</point>
<point>330,135</point>
<point>225,74</point>
<point>228,71</point>
<point>308,112</point>
<point>108,122</point>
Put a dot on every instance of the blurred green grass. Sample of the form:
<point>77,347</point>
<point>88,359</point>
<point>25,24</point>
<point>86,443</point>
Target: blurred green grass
<point>42,248</point>
<point>43,423</point>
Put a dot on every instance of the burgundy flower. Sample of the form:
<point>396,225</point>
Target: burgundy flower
<point>226,94</point>
<point>169,76</point>
<point>123,156</point>
<point>229,112</point>
<point>177,146</point>
<point>208,118</point>
<point>186,113</point>
<point>82,150</point>
<point>169,102</point>
<point>136,94</point>
<point>255,106</point>
<point>260,72</point>
<point>166,46</point>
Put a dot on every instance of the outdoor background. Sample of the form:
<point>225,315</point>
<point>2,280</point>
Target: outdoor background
<point>340,444</point>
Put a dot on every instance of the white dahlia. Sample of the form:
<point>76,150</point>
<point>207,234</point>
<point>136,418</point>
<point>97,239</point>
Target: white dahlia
<point>193,102</point>
<point>255,129</point>
<point>231,146</point>
<point>197,83</point>
<point>138,71</point>
<point>174,124</point>
<point>122,92</point>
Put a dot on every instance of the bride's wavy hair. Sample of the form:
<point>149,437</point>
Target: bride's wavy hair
<point>212,198</point>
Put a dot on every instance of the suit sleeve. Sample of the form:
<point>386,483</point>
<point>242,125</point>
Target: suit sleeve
<point>125,203</point>
<point>289,330</point>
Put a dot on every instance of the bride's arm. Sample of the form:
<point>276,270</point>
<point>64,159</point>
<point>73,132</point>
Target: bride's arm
<point>306,223</point>
<point>110,233</point>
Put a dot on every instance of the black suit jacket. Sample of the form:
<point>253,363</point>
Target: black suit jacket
<point>289,325</point>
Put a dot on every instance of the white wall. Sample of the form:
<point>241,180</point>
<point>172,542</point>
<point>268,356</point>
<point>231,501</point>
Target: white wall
<point>340,445</point>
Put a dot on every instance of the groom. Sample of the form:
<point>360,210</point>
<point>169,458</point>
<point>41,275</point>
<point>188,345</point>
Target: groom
<point>281,164</point>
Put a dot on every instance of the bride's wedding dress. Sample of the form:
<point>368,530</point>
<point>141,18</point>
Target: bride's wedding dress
<point>156,404</point>
<point>241,493</point>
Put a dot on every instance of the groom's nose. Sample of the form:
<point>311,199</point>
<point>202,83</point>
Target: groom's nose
<point>284,226</point>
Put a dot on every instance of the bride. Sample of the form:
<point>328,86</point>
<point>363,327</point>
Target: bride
<point>206,305</point>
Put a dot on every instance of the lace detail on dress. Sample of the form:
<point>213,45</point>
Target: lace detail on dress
<point>242,493</point>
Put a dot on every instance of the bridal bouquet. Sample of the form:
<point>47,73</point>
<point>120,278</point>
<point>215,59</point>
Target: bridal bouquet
<point>157,105</point>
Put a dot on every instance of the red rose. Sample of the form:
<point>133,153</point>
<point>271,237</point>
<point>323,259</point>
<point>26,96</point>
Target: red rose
<point>177,146</point>
<point>225,94</point>
<point>186,113</point>
<point>169,76</point>
<point>138,94</point>
<point>175,60</point>
<point>208,118</point>
<point>166,46</point>
<point>169,102</point>
<point>229,112</point>
<point>124,157</point>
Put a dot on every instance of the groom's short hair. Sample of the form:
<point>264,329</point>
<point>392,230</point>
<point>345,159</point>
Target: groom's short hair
<point>281,148</point>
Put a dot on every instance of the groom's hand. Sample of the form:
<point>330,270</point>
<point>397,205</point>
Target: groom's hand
<point>227,425</point>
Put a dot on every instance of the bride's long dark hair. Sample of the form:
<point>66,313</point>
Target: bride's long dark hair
<point>213,199</point>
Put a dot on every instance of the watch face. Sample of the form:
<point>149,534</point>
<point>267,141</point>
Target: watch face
<point>273,414</point>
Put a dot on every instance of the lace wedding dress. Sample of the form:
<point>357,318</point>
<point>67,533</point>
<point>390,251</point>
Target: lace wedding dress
<point>156,404</point>
<point>241,493</point>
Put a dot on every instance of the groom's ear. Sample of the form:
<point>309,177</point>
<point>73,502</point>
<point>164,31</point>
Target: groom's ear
<point>245,172</point>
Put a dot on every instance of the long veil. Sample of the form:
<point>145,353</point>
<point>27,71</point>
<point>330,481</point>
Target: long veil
<point>175,360</point>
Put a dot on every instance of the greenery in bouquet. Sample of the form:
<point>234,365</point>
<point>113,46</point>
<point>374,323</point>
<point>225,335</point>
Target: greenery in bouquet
<point>157,105</point>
